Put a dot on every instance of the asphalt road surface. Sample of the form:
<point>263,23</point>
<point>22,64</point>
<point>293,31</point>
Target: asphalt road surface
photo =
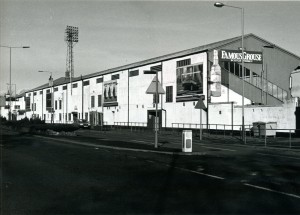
<point>93,175</point>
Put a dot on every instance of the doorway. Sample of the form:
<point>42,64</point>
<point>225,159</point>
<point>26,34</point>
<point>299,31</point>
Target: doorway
<point>151,119</point>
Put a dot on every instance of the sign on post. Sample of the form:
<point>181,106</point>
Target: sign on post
<point>152,88</point>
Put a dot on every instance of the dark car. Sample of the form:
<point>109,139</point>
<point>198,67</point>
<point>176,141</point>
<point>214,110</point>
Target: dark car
<point>83,123</point>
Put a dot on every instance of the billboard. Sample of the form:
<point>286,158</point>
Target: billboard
<point>110,93</point>
<point>236,56</point>
<point>189,82</point>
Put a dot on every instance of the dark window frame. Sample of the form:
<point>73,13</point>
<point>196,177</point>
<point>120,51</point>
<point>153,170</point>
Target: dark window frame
<point>169,94</point>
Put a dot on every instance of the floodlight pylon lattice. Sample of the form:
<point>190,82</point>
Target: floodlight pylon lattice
<point>71,38</point>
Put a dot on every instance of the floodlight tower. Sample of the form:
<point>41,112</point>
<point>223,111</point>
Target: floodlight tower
<point>71,37</point>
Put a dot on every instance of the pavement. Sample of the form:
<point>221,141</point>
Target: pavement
<point>170,142</point>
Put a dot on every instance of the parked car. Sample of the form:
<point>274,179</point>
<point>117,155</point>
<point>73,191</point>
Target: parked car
<point>83,123</point>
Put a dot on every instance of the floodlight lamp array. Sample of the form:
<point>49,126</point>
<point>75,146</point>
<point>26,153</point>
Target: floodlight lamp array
<point>71,34</point>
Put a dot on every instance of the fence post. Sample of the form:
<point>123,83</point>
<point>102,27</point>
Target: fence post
<point>290,139</point>
<point>224,131</point>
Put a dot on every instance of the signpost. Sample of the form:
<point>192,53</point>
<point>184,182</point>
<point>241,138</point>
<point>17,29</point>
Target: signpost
<point>155,88</point>
<point>200,105</point>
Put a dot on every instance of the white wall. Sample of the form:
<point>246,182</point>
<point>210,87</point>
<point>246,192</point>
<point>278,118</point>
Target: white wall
<point>283,114</point>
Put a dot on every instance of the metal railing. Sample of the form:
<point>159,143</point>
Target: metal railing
<point>263,84</point>
<point>210,126</point>
<point>279,138</point>
<point>142,124</point>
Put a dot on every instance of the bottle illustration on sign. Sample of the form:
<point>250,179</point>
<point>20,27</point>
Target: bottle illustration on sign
<point>215,77</point>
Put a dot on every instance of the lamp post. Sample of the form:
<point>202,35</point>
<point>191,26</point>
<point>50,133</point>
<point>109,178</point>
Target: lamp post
<point>264,81</point>
<point>52,96</point>
<point>219,5</point>
<point>10,48</point>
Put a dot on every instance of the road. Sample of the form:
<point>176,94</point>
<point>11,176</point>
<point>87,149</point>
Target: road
<point>93,175</point>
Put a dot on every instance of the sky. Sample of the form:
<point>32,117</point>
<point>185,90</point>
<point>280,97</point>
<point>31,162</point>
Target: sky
<point>115,33</point>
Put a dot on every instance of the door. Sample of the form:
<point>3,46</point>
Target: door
<point>75,116</point>
<point>151,119</point>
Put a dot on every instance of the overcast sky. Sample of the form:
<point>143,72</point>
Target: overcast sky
<point>116,33</point>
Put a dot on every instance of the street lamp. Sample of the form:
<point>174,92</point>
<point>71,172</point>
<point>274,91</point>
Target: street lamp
<point>264,81</point>
<point>52,97</point>
<point>219,5</point>
<point>11,47</point>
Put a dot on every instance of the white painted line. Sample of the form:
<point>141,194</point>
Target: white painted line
<point>271,190</point>
<point>150,161</point>
<point>200,173</point>
<point>279,156</point>
<point>209,147</point>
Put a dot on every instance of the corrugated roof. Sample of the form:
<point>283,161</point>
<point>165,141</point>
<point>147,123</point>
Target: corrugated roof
<point>198,49</point>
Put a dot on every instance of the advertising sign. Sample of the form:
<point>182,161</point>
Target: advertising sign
<point>189,82</point>
<point>236,56</point>
<point>110,93</point>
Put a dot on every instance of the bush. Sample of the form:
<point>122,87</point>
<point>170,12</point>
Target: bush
<point>37,124</point>
<point>55,127</point>
<point>2,120</point>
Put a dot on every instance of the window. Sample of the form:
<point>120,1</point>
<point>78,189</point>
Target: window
<point>34,93</point>
<point>33,105</point>
<point>99,80</point>
<point>55,104</point>
<point>86,83</point>
<point>86,116</point>
<point>27,103</point>
<point>65,87</point>
<point>185,62</point>
<point>41,92</point>
<point>99,100</point>
<point>92,101</point>
<point>60,104</point>
<point>115,77</point>
<point>156,68</point>
<point>74,85</point>
<point>169,94</point>
<point>69,117</point>
<point>17,107</point>
<point>59,116</point>
<point>133,73</point>
<point>55,89</point>
<point>48,91</point>
<point>154,100</point>
<point>48,101</point>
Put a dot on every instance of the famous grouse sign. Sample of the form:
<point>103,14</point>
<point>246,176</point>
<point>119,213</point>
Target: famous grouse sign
<point>236,56</point>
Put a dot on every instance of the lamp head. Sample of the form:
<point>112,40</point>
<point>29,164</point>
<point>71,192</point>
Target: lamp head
<point>25,47</point>
<point>218,4</point>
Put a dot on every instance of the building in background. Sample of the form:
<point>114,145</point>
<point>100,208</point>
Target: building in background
<point>118,96</point>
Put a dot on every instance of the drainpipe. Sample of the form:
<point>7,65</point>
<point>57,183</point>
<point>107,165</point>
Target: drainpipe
<point>128,100</point>
<point>82,97</point>
<point>207,88</point>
